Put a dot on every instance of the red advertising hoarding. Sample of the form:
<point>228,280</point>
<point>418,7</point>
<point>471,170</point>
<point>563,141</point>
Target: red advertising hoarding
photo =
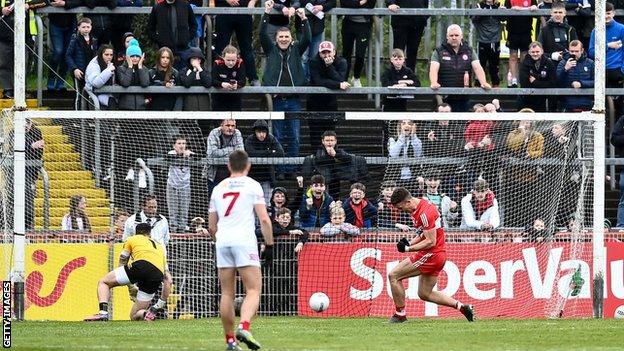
<point>502,280</point>
<point>614,302</point>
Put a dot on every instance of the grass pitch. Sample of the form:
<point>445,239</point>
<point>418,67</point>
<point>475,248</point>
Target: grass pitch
<point>296,333</point>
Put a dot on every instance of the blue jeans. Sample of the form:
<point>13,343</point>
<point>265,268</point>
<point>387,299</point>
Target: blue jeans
<point>311,52</point>
<point>287,131</point>
<point>60,37</point>
<point>620,212</point>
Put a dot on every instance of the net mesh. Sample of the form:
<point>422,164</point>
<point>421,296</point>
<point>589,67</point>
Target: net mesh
<point>539,170</point>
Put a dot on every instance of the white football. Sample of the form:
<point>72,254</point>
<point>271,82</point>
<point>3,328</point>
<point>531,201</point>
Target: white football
<point>619,312</point>
<point>319,302</point>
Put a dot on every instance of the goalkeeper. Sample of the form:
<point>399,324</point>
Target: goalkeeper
<point>146,271</point>
<point>428,259</point>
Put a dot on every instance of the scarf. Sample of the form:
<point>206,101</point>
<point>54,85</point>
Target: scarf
<point>358,210</point>
<point>481,206</point>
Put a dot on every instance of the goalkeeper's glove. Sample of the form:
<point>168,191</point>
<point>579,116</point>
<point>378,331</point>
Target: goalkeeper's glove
<point>403,244</point>
<point>267,255</point>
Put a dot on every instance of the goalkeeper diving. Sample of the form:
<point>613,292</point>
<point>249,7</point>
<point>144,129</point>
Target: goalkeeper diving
<point>146,271</point>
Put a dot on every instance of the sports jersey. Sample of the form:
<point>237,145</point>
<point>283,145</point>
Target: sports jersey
<point>426,217</point>
<point>142,248</point>
<point>233,200</point>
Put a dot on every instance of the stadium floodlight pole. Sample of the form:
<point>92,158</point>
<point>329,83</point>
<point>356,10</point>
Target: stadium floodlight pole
<point>599,112</point>
<point>19,182</point>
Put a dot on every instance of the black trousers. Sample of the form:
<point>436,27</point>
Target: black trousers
<point>407,38</point>
<point>242,25</point>
<point>358,34</point>
<point>489,57</point>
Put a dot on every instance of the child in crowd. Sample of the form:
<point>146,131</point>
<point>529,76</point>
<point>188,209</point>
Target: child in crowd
<point>228,73</point>
<point>359,211</point>
<point>284,226</point>
<point>338,225</point>
<point>195,75</point>
<point>480,208</point>
<point>163,74</point>
<point>82,48</point>
<point>179,185</point>
<point>314,208</point>
<point>398,76</point>
<point>536,232</point>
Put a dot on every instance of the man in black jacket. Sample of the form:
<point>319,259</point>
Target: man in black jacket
<point>536,71</point>
<point>332,163</point>
<point>329,71</point>
<point>556,34</point>
<point>174,34</point>
<point>262,144</point>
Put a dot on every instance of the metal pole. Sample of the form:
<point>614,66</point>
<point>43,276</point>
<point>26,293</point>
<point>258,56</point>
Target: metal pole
<point>19,181</point>
<point>46,197</point>
<point>97,169</point>
<point>334,30</point>
<point>599,157</point>
<point>39,40</point>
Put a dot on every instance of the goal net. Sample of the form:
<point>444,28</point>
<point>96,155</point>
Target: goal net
<point>514,190</point>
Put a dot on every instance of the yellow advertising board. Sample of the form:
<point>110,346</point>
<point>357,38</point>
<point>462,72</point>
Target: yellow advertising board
<point>61,281</point>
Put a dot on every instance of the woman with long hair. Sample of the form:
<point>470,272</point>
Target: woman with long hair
<point>101,72</point>
<point>163,74</point>
<point>77,218</point>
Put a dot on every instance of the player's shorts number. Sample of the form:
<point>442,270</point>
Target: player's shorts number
<point>234,196</point>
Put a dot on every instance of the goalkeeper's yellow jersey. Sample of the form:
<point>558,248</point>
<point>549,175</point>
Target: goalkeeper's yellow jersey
<point>142,247</point>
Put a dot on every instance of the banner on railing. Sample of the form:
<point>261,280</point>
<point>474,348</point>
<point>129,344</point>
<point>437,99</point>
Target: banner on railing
<point>501,280</point>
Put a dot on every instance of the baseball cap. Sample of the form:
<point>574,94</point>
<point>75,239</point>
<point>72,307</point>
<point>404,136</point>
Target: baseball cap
<point>326,45</point>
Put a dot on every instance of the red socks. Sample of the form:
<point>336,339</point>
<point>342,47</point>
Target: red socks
<point>229,338</point>
<point>244,325</point>
<point>400,311</point>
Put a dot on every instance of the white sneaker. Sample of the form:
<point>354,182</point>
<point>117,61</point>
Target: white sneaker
<point>357,83</point>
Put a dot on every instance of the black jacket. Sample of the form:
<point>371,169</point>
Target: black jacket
<point>555,37</point>
<point>270,147</point>
<point>162,102</point>
<point>222,73</point>
<point>329,77</point>
<point>545,73</point>
<point>190,78</point>
<point>159,25</point>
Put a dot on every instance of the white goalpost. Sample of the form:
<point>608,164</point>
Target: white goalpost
<point>588,160</point>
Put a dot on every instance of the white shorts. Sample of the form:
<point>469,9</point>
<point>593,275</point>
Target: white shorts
<point>237,256</point>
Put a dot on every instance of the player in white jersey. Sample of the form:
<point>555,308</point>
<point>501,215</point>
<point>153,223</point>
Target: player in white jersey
<point>232,222</point>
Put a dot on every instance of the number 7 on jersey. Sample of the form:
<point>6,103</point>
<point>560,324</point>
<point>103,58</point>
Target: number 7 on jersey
<point>234,196</point>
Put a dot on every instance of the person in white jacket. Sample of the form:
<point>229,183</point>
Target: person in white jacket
<point>480,208</point>
<point>405,145</point>
<point>101,71</point>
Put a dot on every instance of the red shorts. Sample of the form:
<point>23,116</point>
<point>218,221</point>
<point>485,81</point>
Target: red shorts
<point>430,263</point>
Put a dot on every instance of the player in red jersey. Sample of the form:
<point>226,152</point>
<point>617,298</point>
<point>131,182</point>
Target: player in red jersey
<point>428,259</point>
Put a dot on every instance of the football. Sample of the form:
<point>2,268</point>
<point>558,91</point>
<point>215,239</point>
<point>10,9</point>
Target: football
<point>319,302</point>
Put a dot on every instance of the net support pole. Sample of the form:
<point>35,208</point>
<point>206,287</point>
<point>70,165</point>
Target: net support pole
<point>19,172</point>
<point>599,262</point>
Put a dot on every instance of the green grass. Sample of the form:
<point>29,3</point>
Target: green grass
<point>294,333</point>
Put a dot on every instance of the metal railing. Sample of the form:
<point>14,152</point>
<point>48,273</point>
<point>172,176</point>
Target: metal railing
<point>375,45</point>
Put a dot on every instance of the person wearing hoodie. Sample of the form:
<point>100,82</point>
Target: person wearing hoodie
<point>490,30</point>
<point>615,51</point>
<point>228,73</point>
<point>359,211</point>
<point>557,33</point>
<point>133,73</point>
<point>576,70</point>
<point>537,71</point>
<point>279,199</point>
<point>315,204</point>
<point>121,55</point>
<point>262,144</point>
<point>195,75</point>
